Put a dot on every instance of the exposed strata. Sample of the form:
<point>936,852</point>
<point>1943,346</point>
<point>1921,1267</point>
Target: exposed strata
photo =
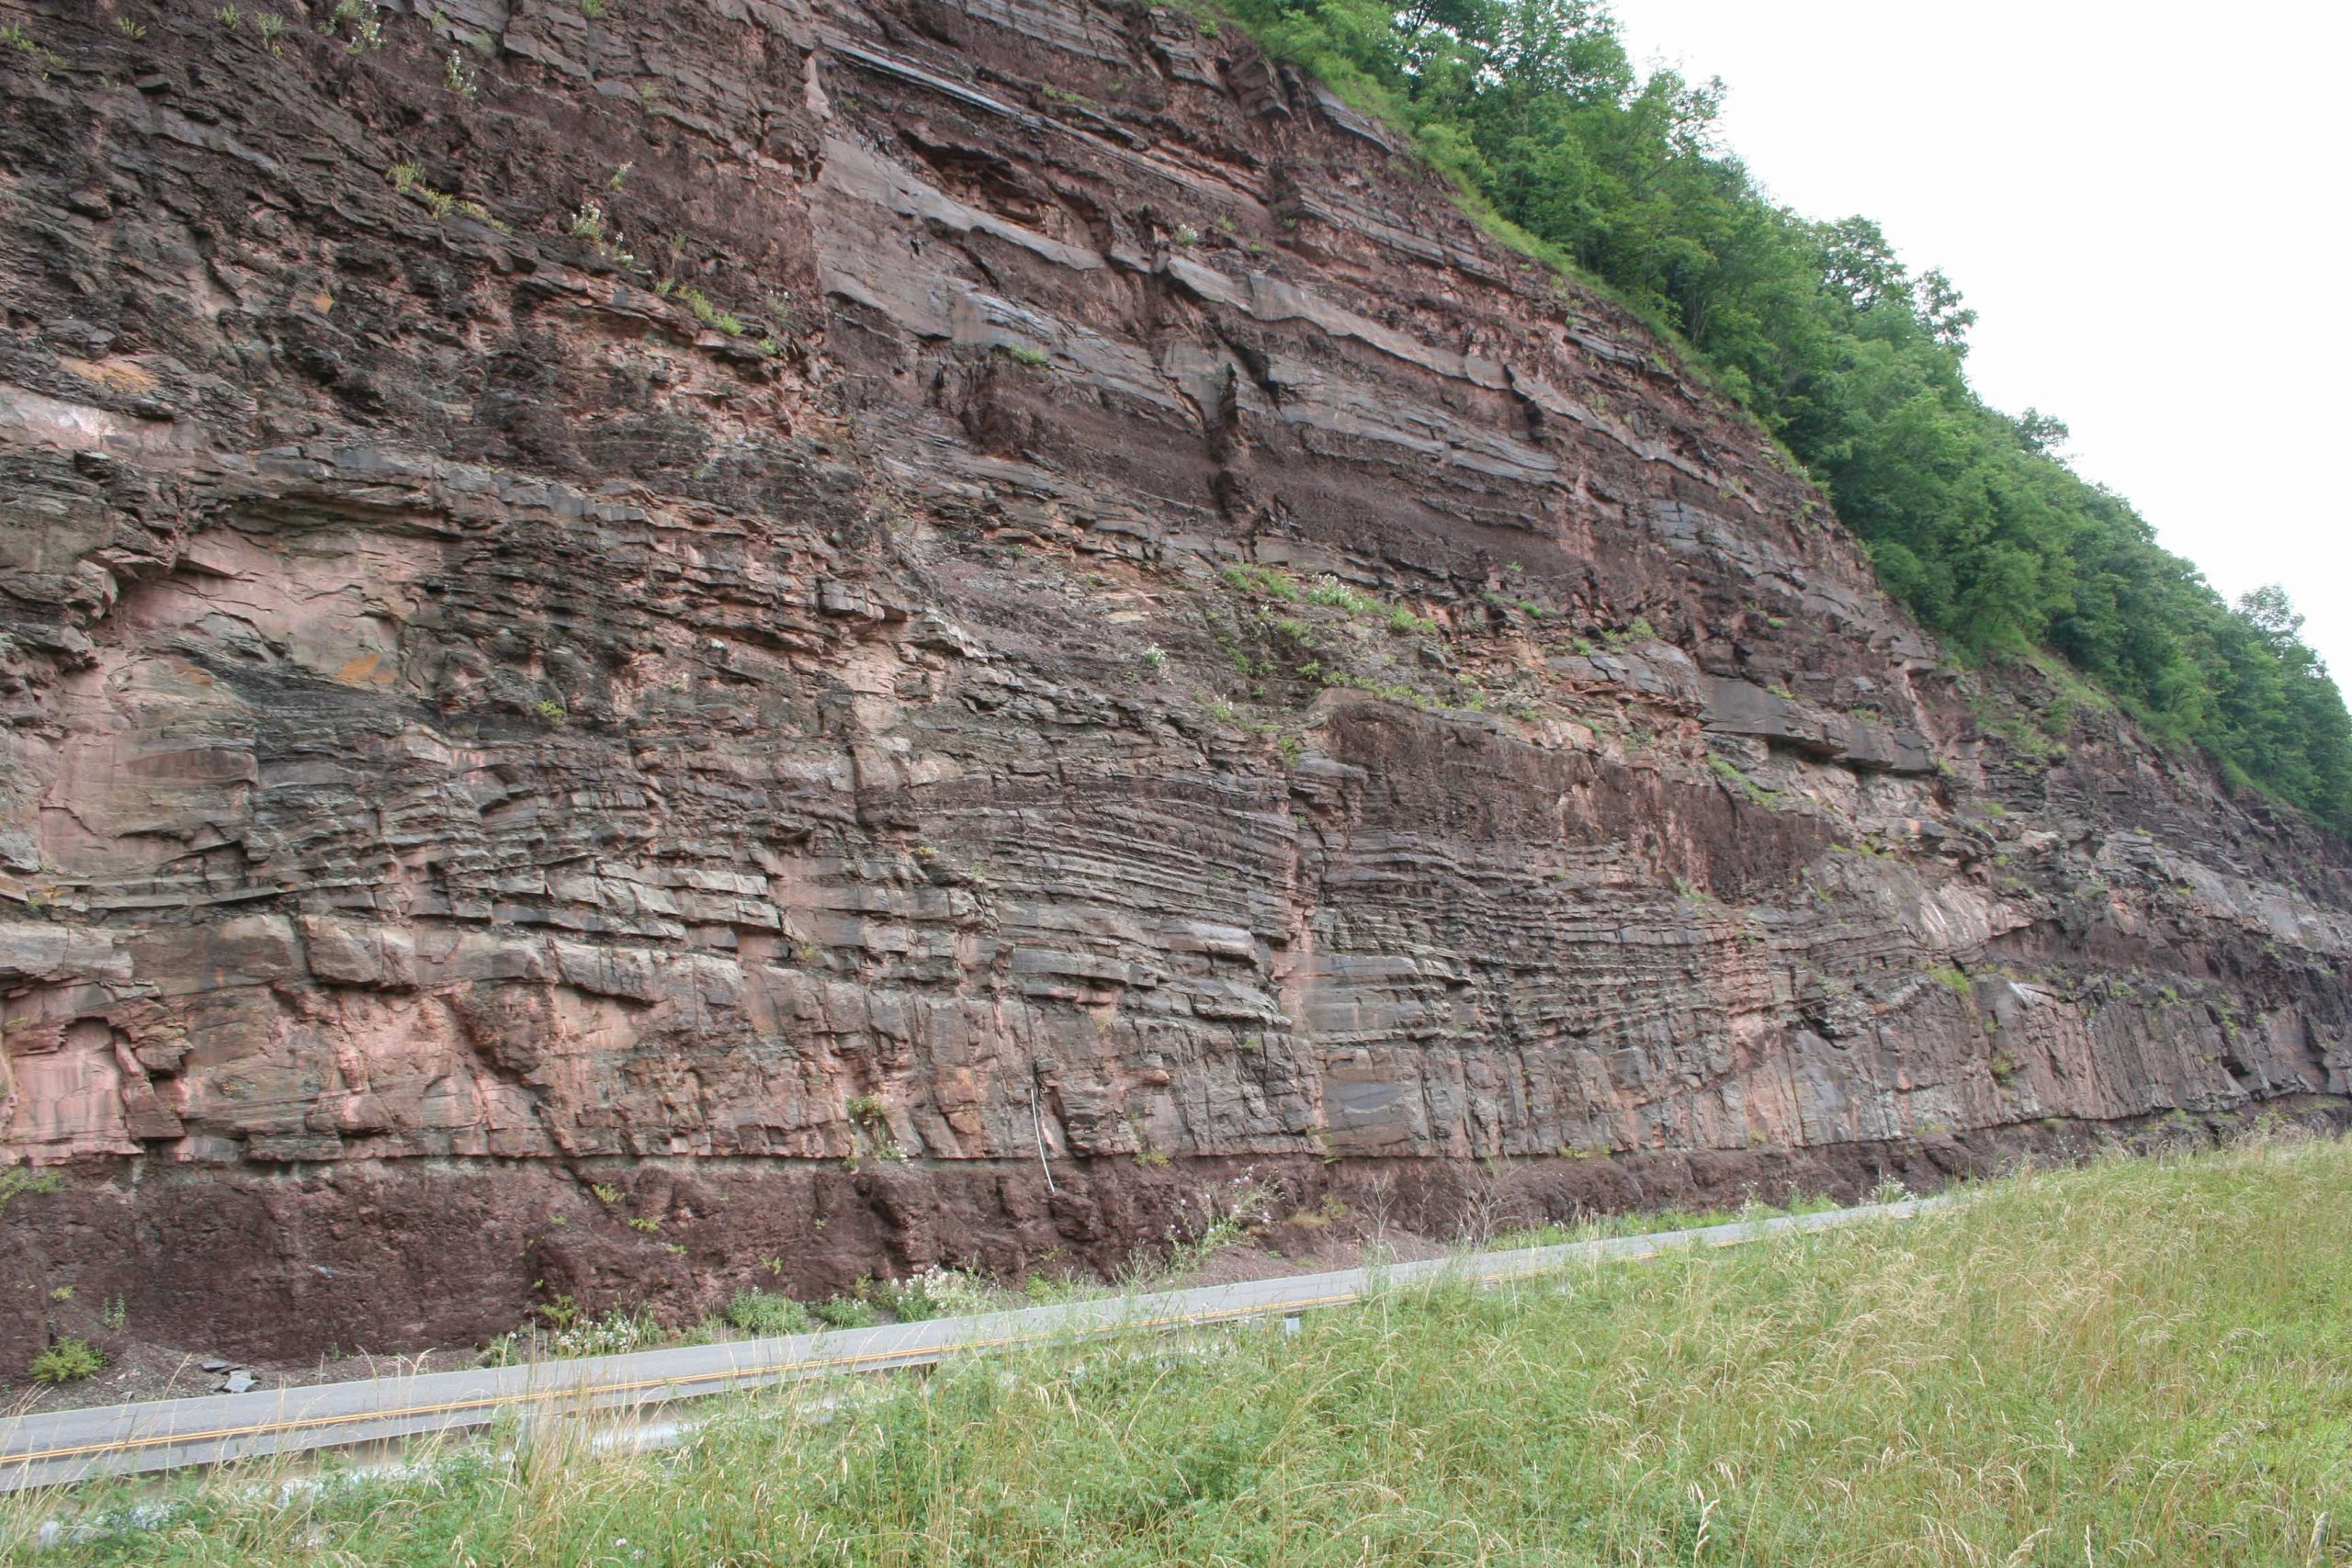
<point>480,724</point>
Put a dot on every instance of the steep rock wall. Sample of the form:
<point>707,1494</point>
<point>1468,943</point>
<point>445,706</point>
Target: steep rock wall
<point>902,632</point>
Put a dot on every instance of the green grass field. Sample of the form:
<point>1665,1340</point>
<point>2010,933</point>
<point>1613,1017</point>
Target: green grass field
<point>2141,1362</point>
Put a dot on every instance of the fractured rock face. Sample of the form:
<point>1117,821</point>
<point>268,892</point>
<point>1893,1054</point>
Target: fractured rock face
<point>956,590</point>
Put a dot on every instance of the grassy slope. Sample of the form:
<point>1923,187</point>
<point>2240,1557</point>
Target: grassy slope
<point>2137,1362</point>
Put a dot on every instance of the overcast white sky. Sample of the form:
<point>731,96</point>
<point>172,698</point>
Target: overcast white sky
<point>2150,205</point>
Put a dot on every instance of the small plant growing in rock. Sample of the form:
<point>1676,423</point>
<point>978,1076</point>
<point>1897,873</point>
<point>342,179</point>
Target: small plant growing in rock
<point>68,1361</point>
<point>410,179</point>
<point>872,1120</point>
<point>115,1315</point>
<point>1330,591</point>
<point>17,1182</point>
<point>1187,235</point>
<point>1023,353</point>
<point>460,76</point>
<point>1269,580</point>
<point>588,223</point>
<point>607,1196</point>
<point>14,37</point>
<point>553,711</point>
<point>710,315</point>
<point>129,29</point>
<point>645,1223</point>
<point>366,27</point>
<point>593,9</point>
<point>228,16</point>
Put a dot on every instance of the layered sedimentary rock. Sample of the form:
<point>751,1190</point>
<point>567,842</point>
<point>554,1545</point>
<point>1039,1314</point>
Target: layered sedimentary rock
<point>898,632</point>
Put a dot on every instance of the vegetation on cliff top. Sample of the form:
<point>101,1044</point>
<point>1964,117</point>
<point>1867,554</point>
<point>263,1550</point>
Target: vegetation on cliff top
<point>1855,364</point>
<point>2139,1361</point>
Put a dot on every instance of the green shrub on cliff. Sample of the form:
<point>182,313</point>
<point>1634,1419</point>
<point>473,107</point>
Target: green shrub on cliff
<point>1841,352</point>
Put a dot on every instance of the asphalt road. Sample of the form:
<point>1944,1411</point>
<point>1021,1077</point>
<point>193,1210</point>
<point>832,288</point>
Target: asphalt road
<point>60,1447</point>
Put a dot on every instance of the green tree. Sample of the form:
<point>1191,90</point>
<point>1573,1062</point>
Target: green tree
<point>1821,332</point>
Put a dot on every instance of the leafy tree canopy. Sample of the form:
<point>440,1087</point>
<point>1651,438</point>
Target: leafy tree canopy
<point>1845,356</point>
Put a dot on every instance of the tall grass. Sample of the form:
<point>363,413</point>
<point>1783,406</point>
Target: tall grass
<point>2137,1362</point>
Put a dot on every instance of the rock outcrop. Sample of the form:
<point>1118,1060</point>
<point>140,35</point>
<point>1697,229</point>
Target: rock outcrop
<point>888,632</point>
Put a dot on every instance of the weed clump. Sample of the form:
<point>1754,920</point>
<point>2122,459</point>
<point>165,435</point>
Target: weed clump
<point>68,1361</point>
<point>565,1331</point>
<point>767,1315</point>
<point>936,1291</point>
<point>845,1312</point>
